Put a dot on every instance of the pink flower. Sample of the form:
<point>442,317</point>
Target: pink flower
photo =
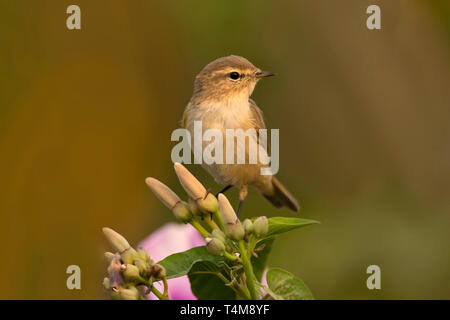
<point>264,281</point>
<point>169,239</point>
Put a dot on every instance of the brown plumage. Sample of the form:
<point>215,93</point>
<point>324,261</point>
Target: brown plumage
<point>221,100</point>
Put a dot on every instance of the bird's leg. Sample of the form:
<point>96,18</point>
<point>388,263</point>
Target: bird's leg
<point>242,195</point>
<point>241,202</point>
<point>223,190</point>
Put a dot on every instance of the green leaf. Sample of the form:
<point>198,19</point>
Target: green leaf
<point>260,263</point>
<point>282,224</point>
<point>206,283</point>
<point>285,286</point>
<point>180,263</point>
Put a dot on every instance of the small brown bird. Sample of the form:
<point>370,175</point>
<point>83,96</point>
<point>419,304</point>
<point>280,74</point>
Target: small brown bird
<point>221,100</point>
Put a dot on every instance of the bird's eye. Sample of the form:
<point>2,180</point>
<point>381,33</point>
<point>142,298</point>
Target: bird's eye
<point>234,75</point>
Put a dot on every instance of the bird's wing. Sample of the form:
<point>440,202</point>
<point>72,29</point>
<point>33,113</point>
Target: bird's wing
<point>258,121</point>
<point>257,116</point>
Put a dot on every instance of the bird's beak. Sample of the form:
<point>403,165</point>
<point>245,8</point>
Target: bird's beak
<point>263,74</point>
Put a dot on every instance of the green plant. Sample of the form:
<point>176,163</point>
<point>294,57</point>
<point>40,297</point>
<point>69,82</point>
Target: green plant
<point>229,266</point>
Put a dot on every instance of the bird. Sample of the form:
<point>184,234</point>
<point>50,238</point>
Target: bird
<point>221,100</point>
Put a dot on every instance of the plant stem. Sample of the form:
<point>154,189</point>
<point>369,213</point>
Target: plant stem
<point>251,245</point>
<point>199,228</point>
<point>210,222</point>
<point>248,269</point>
<point>241,290</point>
<point>156,291</point>
<point>166,288</point>
<point>219,219</point>
<point>244,291</point>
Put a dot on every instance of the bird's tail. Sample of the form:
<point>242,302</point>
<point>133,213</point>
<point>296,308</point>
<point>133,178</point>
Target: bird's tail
<point>282,197</point>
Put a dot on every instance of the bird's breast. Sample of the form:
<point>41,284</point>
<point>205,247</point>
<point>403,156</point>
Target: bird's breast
<point>223,116</point>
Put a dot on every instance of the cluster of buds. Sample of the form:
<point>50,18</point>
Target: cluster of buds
<point>216,221</point>
<point>237,230</point>
<point>130,272</point>
<point>259,227</point>
<point>205,201</point>
<point>180,209</point>
<point>204,205</point>
<point>200,201</point>
<point>200,204</point>
<point>216,243</point>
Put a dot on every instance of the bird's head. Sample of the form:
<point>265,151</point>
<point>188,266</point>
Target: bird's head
<point>227,78</point>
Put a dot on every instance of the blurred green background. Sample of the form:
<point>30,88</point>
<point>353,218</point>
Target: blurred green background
<point>364,119</point>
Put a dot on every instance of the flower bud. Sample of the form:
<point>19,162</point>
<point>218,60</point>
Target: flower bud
<point>143,254</point>
<point>158,271</point>
<point>235,230</point>
<point>169,198</point>
<point>109,256</point>
<point>114,293</point>
<point>248,226</point>
<point>261,226</point>
<point>141,265</point>
<point>193,187</point>
<point>215,246</point>
<point>233,226</point>
<point>194,208</point>
<point>114,266</point>
<point>130,272</point>
<point>218,234</point>
<point>163,192</point>
<point>115,280</point>
<point>115,277</point>
<point>208,204</point>
<point>106,284</point>
<point>116,240</point>
<point>226,210</point>
<point>129,255</point>
<point>182,212</point>
<point>130,293</point>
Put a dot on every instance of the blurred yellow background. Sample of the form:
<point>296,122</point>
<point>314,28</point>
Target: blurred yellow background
<point>363,115</point>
